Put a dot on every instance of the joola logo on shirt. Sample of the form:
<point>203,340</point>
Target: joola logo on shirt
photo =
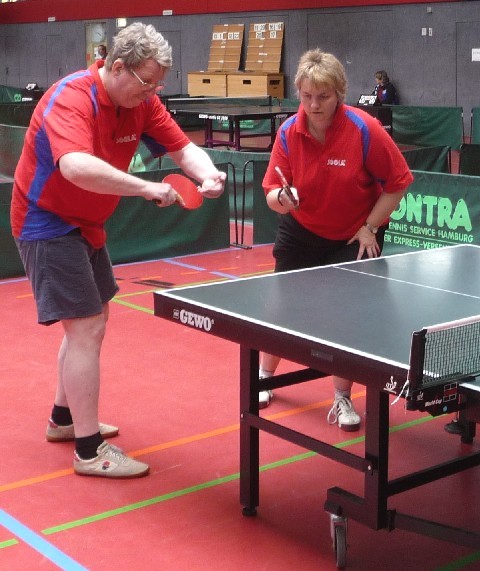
<point>336,162</point>
<point>127,139</point>
<point>193,319</point>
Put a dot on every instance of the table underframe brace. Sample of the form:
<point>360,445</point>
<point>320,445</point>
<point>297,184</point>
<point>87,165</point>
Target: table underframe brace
<point>371,509</point>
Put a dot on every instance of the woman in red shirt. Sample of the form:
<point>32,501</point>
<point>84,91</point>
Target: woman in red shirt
<point>347,176</point>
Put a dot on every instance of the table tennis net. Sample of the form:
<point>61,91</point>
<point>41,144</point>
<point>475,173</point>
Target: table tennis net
<point>451,351</point>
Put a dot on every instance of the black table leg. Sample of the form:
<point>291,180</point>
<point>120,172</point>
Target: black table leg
<point>249,436</point>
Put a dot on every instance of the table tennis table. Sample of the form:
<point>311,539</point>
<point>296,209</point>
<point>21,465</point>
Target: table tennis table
<point>405,326</point>
<point>234,115</point>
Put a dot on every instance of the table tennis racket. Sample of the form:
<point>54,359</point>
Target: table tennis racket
<point>286,187</point>
<point>187,189</point>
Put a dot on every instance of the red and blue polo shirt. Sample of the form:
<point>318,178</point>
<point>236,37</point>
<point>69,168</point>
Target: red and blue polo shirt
<point>76,115</point>
<point>339,181</point>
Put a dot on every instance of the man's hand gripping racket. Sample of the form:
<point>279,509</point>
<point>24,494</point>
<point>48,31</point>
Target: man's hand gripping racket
<point>190,196</point>
<point>187,194</point>
<point>287,189</point>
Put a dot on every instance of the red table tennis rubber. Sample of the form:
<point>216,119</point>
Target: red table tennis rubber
<point>187,189</point>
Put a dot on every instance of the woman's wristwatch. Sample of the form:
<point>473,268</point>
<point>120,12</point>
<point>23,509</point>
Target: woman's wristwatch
<point>373,229</point>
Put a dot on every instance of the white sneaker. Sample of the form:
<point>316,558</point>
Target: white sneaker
<point>343,413</point>
<point>57,433</point>
<point>111,462</point>
<point>264,398</point>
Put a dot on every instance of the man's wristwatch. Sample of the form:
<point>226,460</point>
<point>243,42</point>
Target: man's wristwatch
<point>373,229</point>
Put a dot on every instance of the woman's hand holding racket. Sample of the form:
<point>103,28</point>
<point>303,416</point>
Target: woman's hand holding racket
<point>288,200</point>
<point>287,195</point>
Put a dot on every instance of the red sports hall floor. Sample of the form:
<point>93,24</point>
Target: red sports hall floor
<point>174,393</point>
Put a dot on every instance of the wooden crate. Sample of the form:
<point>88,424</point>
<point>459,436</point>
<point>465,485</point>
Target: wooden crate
<point>207,83</point>
<point>255,84</point>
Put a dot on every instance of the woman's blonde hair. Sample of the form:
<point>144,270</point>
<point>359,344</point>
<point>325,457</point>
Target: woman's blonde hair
<point>322,68</point>
<point>136,43</point>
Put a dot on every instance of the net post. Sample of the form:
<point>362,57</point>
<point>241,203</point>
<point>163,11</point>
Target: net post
<point>417,358</point>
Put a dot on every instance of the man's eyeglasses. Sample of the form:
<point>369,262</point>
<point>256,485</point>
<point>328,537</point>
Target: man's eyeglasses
<point>145,85</point>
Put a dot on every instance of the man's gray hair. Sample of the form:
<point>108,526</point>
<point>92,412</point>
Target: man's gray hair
<point>136,43</point>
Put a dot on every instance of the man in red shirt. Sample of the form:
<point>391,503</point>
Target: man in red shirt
<point>69,180</point>
<point>347,175</point>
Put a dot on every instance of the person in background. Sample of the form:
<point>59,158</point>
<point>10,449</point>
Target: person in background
<point>347,177</point>
<point>384,89</point>
<point>102,51</point>
<point>68,182</point>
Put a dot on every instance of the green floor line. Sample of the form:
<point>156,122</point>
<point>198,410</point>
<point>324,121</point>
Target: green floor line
<point>210,484</point>
<point>460,563</point>
<point>133,306</point>
<point>453,566</point>
<point>8,543</point>
<point>142,504</point>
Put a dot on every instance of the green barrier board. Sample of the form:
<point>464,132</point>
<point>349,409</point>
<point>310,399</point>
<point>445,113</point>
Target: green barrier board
<point>428,126</point>
<point>10,94</point>
<point>139,230</point>
<point>438,210</point>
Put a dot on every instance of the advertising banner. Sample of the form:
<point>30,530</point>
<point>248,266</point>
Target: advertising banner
<point>438,210</point>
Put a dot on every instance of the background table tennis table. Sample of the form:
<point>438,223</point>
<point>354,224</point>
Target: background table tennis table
<point>233,115</point>
<point>360,320</point>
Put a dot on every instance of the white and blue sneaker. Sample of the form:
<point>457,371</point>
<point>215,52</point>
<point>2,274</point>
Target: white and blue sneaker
<point>264,398</point>
<point>343,413</point>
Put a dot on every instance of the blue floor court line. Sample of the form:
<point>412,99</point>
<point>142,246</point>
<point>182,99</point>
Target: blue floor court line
<point>199,268</point>
<point>43,547</point>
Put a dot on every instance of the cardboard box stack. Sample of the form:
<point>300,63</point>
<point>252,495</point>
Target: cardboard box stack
<point>261,76</point>
<point>225,54</point>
